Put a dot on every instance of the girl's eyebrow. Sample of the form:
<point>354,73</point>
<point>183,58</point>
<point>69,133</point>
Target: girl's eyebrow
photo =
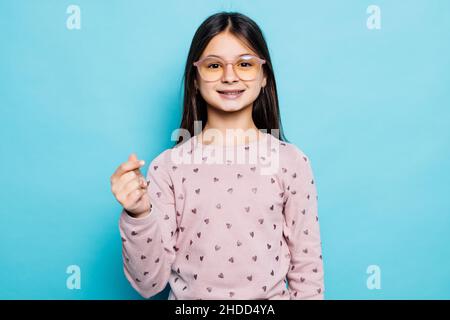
<point>239,55</point>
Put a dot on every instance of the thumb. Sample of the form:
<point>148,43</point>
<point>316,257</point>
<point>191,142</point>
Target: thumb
<point>132,157</point>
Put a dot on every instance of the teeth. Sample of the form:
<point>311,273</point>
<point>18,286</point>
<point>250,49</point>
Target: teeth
<point>231,93</point>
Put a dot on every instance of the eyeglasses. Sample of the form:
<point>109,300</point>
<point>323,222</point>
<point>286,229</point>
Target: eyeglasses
<point>246,67</point>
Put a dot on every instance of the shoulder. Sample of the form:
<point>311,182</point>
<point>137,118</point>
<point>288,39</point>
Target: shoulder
<point>162,158</point>
<point>170,158</point>
<point>290,153</point>
<point>294,166</point>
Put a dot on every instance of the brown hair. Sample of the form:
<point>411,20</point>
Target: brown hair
<point>265,113</point>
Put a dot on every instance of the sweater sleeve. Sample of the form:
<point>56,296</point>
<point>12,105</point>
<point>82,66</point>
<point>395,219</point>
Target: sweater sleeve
<point>301,230</point>
<point>148,242</point>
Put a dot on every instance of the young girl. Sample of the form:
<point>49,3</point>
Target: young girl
<point>223,216</point>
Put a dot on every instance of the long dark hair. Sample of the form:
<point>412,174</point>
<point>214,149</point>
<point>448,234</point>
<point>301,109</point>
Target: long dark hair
<point>265,113</point>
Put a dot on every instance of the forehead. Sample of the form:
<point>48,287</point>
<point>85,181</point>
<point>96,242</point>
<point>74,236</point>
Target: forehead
<point>227,46</point>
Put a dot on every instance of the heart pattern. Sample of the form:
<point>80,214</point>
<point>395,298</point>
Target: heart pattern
<point>263,214</point>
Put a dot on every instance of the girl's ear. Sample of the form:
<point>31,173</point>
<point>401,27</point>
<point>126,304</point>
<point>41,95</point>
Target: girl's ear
<point>264,82</point>
<point>195,84</point>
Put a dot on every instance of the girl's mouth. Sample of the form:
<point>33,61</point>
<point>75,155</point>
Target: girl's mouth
<point>230,94</point>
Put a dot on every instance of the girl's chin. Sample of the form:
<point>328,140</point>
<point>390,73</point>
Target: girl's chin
<point>229,107</point>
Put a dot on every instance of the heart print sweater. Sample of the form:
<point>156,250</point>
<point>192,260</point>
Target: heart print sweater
<point>227,222</point>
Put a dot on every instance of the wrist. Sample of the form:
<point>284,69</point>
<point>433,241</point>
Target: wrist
<point>139,215</point>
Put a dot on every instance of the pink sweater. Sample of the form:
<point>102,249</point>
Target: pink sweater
<point>222,227</point>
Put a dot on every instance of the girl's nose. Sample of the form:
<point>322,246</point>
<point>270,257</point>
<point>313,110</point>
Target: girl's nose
<point>228,74</point>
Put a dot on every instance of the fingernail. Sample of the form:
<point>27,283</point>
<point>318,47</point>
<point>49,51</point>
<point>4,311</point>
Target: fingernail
<point>142,162</point>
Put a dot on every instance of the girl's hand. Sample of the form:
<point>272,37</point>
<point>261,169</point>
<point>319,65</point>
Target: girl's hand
<point>129,187</point>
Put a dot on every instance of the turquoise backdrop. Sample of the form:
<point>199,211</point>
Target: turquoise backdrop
<point>371,108</point>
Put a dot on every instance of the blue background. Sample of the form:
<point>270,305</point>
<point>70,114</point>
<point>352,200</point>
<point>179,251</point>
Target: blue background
<point>369,107</point>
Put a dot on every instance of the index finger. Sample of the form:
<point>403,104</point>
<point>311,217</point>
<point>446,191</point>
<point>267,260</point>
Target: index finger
<point>129,166</point>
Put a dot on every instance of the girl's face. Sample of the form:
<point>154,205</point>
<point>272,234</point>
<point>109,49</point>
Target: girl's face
<point>228,47</point>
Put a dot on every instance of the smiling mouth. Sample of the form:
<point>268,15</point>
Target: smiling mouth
<point>231,93</point>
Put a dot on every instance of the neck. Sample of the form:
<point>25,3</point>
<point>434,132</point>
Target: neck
<point>230,126</point>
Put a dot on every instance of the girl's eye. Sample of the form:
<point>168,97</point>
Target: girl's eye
<point>213,66</point>
<point>245,64</point>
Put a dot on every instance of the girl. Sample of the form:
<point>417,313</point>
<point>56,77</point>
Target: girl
<point>215,226</point>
